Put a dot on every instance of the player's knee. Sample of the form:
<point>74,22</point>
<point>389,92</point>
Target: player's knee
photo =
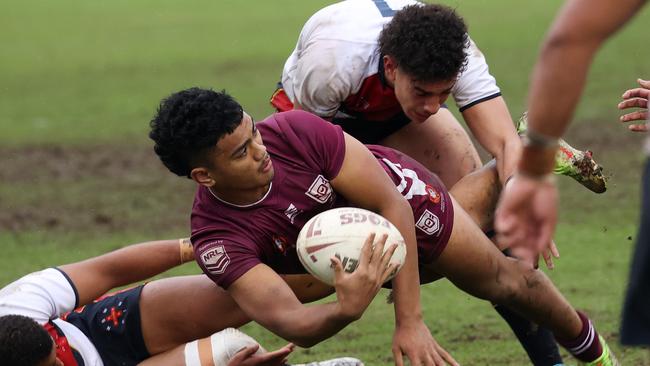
<point>219,347</point>
<point>516,281</point>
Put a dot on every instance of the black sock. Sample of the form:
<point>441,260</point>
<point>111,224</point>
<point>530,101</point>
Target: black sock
<point>538,342</point>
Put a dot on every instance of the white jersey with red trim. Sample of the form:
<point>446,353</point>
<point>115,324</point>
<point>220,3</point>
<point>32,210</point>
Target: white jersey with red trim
<point>334,67</point>
<point>44,296</point>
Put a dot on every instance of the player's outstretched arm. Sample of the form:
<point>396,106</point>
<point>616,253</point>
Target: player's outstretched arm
<point>527,211</point>
<point>95,276</point>
<point>265,297</point>
<point>492,125</point>
<point>636,98</point>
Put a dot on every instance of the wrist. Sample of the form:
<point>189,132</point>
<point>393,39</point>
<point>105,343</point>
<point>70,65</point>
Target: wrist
<point>536,161</point>
<point>186,250</point>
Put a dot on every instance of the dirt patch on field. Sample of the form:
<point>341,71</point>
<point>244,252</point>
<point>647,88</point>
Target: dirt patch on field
<point>91,188</point>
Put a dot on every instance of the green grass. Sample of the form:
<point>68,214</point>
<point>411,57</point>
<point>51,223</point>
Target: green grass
<point>80,80</point>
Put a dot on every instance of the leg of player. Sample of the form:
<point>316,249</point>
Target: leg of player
<point>478,194</point>
<point>440,143</point>
<point>516,285</point>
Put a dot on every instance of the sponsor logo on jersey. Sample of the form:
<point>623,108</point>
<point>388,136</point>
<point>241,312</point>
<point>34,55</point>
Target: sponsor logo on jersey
<point>281,243</point>
<point>291,212</point>
<point>215,259</point>
<point>428,222</point>
<point>320,190</point>
<point>434,196</point>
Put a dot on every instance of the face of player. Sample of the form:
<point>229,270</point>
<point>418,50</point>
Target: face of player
<point>51,359</point>
<point>238,169</point>
<point>419,100</point>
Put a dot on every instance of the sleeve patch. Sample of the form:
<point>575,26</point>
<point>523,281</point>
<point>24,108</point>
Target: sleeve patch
<point>214,257</point>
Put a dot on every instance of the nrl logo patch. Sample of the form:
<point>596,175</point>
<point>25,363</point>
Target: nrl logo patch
<point>320,190</point>
<point>215,259</point>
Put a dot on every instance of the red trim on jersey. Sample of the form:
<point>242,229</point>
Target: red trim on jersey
<point>374,102</point>
<point>63,349</point>
<point>281,101</point>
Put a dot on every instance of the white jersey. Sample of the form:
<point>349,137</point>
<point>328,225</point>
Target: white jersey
<point>44,296</point>
<point>338,50</point>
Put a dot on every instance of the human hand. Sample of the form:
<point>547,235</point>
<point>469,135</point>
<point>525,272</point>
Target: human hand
<point>247,357</point>
<point>414,340</point>
<point>527,213</point>
<point>356,290</point>
<point>636,98</point>
<point>531,257</point>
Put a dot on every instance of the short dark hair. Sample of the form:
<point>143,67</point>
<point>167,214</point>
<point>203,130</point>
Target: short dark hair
<point>427,41</point>
<point>190,122</point>
<point>23,342</point>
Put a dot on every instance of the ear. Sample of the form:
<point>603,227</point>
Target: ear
<point>390,67</point>
<point>202,177</point>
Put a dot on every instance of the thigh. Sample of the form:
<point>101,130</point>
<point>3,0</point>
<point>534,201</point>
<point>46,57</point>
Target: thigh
<point>177,310</point>
<point>440,143</point>
<point>472,262</point>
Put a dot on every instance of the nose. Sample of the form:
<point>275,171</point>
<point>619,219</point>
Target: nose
<point>260,151</point>
<point>432,104</point>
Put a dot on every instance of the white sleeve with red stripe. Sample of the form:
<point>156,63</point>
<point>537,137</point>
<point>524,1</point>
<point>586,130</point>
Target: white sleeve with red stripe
<point>324,76</point>
<point>42,296</point>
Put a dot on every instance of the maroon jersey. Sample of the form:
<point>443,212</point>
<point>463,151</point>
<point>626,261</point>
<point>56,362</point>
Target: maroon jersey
<point>307,153</point>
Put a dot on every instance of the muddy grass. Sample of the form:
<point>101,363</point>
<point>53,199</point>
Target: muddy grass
<point>125,187</point>
<point>95,188</point>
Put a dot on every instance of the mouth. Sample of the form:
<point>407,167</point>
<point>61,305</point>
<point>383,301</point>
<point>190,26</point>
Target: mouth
<point>266,165</point>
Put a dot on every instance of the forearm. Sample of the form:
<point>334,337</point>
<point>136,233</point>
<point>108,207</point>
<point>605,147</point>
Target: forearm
<point>406,285</point>
<point>309,325</point>
<point>491,124</point>
<point>561,71</point>
<point>130,264</point>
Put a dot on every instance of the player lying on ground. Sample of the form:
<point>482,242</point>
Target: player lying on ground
<point>259,184</point>
<point>383,70</point>
<point>51,317</point>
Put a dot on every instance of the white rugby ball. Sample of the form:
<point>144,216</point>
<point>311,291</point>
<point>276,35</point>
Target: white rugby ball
<point>341,232</point>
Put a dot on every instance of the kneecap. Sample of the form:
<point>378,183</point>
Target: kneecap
<point>218,349</point>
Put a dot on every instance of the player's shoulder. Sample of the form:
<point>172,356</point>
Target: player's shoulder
<point>292,122</point>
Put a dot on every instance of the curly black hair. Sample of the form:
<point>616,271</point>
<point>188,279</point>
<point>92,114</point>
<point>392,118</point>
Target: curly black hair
<point>189,123</point>
<point>23,342</point>
<point>427,41</point>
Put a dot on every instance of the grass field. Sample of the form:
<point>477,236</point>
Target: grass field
<point>79,82</point>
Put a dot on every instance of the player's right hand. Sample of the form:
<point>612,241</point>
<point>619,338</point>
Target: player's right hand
<point>356,290</point>
<point>247,356</point>
<point>636,98</point>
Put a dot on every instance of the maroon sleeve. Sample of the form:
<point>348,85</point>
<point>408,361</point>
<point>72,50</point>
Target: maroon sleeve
<point>321,143</point>
<point>224,259</point>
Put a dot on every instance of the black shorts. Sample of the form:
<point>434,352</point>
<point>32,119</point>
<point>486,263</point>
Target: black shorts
<point>635,327</point>
<point>112,323</point>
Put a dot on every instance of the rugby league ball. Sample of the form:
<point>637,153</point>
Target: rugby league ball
<point>341,232</point>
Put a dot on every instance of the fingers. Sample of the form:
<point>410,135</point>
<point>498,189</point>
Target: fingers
<point>244,353</point>
<point>639,128</point>
<point>446,356</point>
<point>378,250</point>
<point>636,101</point>
<point>554,250</point>
<point>338,269</point>
<point>277,356</point>
<point>548,259</point>
<point>397,356</point>
<point>366,250</point>
<point>635,93</point>
<point>634,116</point>
<point>644,83</point>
